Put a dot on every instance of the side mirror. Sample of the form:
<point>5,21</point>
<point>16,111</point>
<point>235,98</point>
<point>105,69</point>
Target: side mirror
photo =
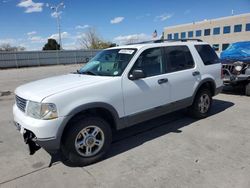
<point>136,74</point>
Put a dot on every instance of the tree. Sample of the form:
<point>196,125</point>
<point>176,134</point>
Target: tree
<point>91,40</point>
<point>7,47</point>
<point>51,45</point>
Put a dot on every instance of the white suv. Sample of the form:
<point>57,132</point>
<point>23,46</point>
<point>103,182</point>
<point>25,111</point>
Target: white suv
<point>77,113</point>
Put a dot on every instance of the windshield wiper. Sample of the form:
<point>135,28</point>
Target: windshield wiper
<point>86,72</point>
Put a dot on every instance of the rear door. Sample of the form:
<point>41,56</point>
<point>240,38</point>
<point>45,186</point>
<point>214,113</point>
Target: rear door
<point>183,73</point>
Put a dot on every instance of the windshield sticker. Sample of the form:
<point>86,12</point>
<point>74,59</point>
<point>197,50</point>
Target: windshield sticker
<point>125,51</point>
<point>115,73</point>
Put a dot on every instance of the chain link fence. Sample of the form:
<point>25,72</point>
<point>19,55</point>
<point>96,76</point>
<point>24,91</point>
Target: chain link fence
<point>43,58</point>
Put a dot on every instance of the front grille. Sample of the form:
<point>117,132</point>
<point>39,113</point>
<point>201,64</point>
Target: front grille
<point>229,67</point>
<point>21,103</point>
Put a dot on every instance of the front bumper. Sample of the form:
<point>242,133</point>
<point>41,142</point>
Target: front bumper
<point>234,79</point>
<point>45,131</point>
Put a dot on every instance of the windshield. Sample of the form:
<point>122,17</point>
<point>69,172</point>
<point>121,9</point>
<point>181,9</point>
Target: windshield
<point>108,62</point>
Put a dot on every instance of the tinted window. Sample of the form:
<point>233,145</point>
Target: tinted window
<point>183,35</point>
<point>216,47</point>
<point>226,29</point>
<point>190,34</point>
<point>216,31</point>
<point>248,27</point>
<point>207,54</point>
<point>151,62</point>
<point>237,28</point>
<point>169,36</point>
<point>198,33</point>
<point>176,36</point>
<point>224,46</point>
<point>178,58</point>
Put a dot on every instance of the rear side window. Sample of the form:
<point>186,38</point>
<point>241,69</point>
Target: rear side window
<point>178,58</point>
<point>207,54</point>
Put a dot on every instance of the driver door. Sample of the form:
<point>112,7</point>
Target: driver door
<point>145,97</point>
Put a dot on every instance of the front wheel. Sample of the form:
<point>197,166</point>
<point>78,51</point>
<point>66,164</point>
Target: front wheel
<point>87,141</point>
<point>202,104</point>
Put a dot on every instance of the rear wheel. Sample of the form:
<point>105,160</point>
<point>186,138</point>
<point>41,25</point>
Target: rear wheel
<point>202,104</point>
<point>87,141</point>
<point>247,91</point>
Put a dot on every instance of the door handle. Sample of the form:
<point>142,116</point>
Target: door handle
<point>163,80</point>
<point>196,73</point>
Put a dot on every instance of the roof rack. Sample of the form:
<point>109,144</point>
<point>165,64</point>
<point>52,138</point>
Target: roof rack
<point>166,40</point>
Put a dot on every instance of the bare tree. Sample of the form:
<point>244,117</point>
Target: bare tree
<point>91,40</point>
<point>8,47</point>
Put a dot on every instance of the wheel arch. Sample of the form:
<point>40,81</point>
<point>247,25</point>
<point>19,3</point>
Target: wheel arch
<point>206,83</point>
<point>103,110</point>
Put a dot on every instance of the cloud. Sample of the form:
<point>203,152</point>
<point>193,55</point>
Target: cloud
<point>31,33</point>
<point>82,26</point>
<point>117,20</point>
<point>163,17</point>
<point>56,14</point>
<point>143,16</point>
<point>37,39</point>
<point>63,35</point>
<point>7,41</point>
<point>124,39</point>
<point>30,6</point>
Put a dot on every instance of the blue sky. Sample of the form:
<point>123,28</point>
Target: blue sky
<point>29,23</point>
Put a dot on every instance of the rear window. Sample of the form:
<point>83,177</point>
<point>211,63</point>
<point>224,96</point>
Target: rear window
<point>207,54</point>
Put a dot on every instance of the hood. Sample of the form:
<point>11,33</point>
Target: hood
<point>38,90</point>
<point>239,51</point>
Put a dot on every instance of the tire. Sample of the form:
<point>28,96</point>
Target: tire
<point>80,136</point>
<point>201,109</point>
<point>247,91</point>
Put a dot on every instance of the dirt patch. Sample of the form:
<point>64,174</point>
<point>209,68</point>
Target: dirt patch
<point>5,93</point>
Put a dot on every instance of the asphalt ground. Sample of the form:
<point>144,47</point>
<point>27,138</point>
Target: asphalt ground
<point>170,151</point>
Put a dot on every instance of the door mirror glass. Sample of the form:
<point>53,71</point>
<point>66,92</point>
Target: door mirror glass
<point>136,74</point>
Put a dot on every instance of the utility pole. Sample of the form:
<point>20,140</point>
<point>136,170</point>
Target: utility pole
<point>56,13</point>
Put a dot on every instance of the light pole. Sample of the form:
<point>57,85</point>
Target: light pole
<point>56,13</point>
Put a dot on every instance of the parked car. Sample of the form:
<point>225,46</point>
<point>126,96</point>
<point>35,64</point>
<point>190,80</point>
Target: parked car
<point>77,113</point>
<point>236,65</point>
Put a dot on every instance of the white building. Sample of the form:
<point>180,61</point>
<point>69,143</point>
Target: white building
<point>218,32</point>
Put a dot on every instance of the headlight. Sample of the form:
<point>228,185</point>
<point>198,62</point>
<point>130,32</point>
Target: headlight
<point>238,68</point>
<point>238,65</point>
<point>44,111</point>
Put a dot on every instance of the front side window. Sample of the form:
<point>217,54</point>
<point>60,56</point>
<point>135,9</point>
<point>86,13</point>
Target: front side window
<point>207,32</point>
<point>237,28</point>
<point>226,29</point>
<point>178,58</point>
<point>198,33</point>
<point>216,31</point>
<point>109,62</point>
<point>207,54</point>
<point>151,62</point>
